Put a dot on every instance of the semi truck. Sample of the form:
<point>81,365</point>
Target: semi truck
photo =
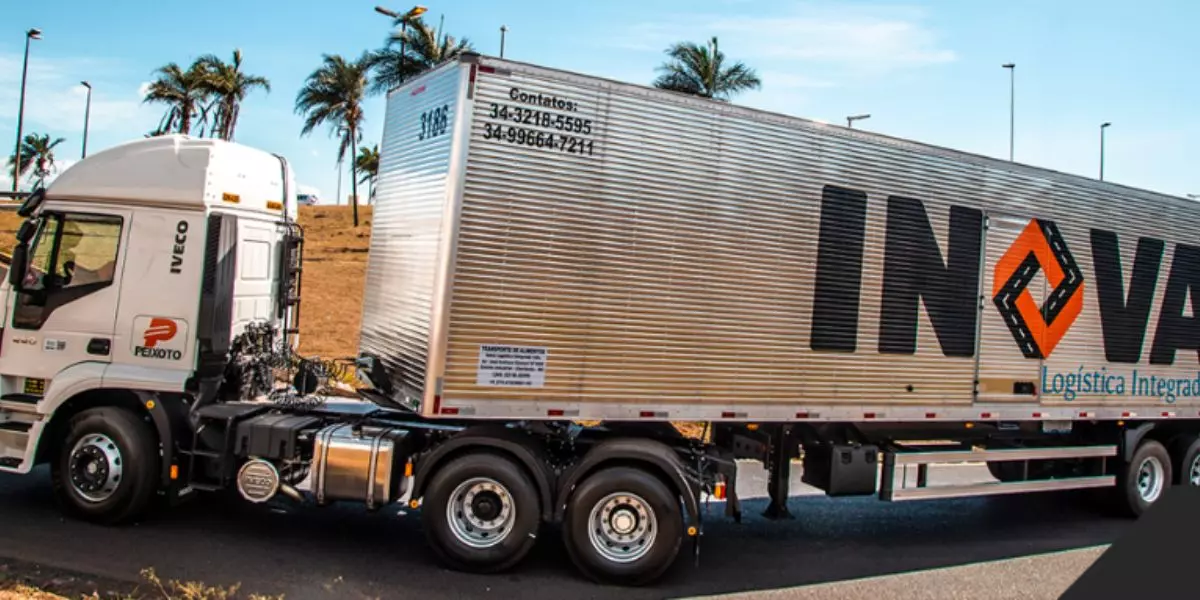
<point>561,267</point>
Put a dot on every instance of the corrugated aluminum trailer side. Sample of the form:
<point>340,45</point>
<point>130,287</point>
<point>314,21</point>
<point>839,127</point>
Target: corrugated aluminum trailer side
<point>549,248</point>
<point>553,245</point>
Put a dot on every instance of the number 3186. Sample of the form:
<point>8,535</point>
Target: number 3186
<point>434,122</point>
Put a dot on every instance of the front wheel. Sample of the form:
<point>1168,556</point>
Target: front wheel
<point>623,526</point>
<point>106,469</point>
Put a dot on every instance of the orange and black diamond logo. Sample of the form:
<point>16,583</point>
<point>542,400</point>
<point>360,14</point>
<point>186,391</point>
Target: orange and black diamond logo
<point>1038,329</point>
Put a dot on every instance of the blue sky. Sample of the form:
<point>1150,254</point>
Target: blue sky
<point>926,70</point>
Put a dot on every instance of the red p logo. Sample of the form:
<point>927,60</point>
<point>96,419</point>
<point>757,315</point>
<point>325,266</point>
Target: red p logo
<point>160,330</point>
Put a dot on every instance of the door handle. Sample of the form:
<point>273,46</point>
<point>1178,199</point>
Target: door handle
<point>99,346</point>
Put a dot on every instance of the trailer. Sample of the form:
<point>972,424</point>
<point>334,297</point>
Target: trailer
<point>560,268</point>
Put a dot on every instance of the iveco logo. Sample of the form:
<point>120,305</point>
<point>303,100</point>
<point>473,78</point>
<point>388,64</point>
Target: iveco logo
<point>258,480</point>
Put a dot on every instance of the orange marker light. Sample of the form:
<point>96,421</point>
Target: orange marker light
<point>174,472</point>
<point>408,469</point>
<point>719,491</point>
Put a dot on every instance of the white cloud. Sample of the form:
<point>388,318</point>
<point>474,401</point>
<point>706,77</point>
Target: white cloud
<point>861,37</point>
<point>783,79</point>
<point>55,100</point>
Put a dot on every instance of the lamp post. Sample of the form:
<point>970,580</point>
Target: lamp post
<point>32,34</point>
<point>852,118</point>
<point>415,12</point>
<point>503,30</point>
<point>1012,105</point>
<point>1103,126</point>
<point>87,113</point>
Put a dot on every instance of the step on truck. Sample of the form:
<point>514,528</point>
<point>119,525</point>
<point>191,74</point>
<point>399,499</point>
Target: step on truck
<point>562,267</point>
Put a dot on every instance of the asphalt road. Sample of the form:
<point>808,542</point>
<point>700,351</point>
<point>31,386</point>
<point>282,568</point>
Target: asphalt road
<point>345,552</point>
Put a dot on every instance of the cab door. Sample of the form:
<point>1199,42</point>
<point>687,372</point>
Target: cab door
<point>65,311</point>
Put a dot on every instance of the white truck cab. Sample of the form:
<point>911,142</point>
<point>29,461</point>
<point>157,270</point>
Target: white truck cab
<point>136,267</point>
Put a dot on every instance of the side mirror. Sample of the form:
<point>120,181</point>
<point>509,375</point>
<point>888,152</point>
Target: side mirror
<point>25,233</point>
<point>19,267</point>
<point>32,203</point>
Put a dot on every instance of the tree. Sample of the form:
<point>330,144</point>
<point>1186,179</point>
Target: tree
<point>701,70</point>
<point>182,91</point>
<point>410,52</point>
<point>367,163</point>
<point>226,85</point>
<point>37,152</point>
<point>333,96</point>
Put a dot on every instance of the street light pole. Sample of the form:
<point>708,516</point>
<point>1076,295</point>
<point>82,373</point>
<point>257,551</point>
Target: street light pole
<point>852,118</point>
<point>1012,105</point>
<point>87,113</point>
<point>503,30</point>
<point>415,12</point>
<point>32,34</point>
<point>1103,126</point>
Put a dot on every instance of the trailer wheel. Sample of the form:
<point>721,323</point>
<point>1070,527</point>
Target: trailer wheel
<point>106,469</point>
<point>1142,481</point>
<point>624,526</point>
<point>1187,461</point>
<point>481,513</point>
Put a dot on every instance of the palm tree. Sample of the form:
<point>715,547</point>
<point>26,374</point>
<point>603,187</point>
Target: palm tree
<point>367,163</point>
<point>227,85</point>
<point>416,49</point>
<point>333,95</point>
<point>37,152</point>
<point>701,70</point>
<point>182,91</point>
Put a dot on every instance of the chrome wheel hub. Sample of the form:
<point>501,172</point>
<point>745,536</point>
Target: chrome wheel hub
<point>1194,471</point>
<point>1150,479</point>
<point>481,512</point>
<point>622,527</point>
<point>95,467</point>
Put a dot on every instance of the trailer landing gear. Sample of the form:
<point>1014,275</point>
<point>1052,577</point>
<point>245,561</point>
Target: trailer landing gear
<point>779,472</point>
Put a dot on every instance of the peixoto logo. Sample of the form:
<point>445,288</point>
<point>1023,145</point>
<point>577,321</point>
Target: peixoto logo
<point>160,338</point>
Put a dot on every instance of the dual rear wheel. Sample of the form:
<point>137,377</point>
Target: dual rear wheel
<point>482,514</point>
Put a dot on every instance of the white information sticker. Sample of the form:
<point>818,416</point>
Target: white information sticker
<point>511,366</point>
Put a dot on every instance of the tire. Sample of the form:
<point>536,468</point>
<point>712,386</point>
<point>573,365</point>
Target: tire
<point>645,504</point>
<point>1137,489</point>
<point>1186,461</point>
<point>486,483</point>
<point>107,468</point>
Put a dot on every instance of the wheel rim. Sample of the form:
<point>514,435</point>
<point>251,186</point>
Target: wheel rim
<point>1194,471</point>
<point>96,467</point>
<point>481,512</point>
<point>622,527</point>
<point>1150,479</point>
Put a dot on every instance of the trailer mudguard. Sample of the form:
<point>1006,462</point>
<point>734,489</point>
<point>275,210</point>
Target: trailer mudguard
<point>625,450</point>
<point>493,437</point>
<point>1130,439</point>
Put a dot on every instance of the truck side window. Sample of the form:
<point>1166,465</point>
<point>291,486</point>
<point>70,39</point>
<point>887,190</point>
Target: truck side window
<point>73,256</point>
